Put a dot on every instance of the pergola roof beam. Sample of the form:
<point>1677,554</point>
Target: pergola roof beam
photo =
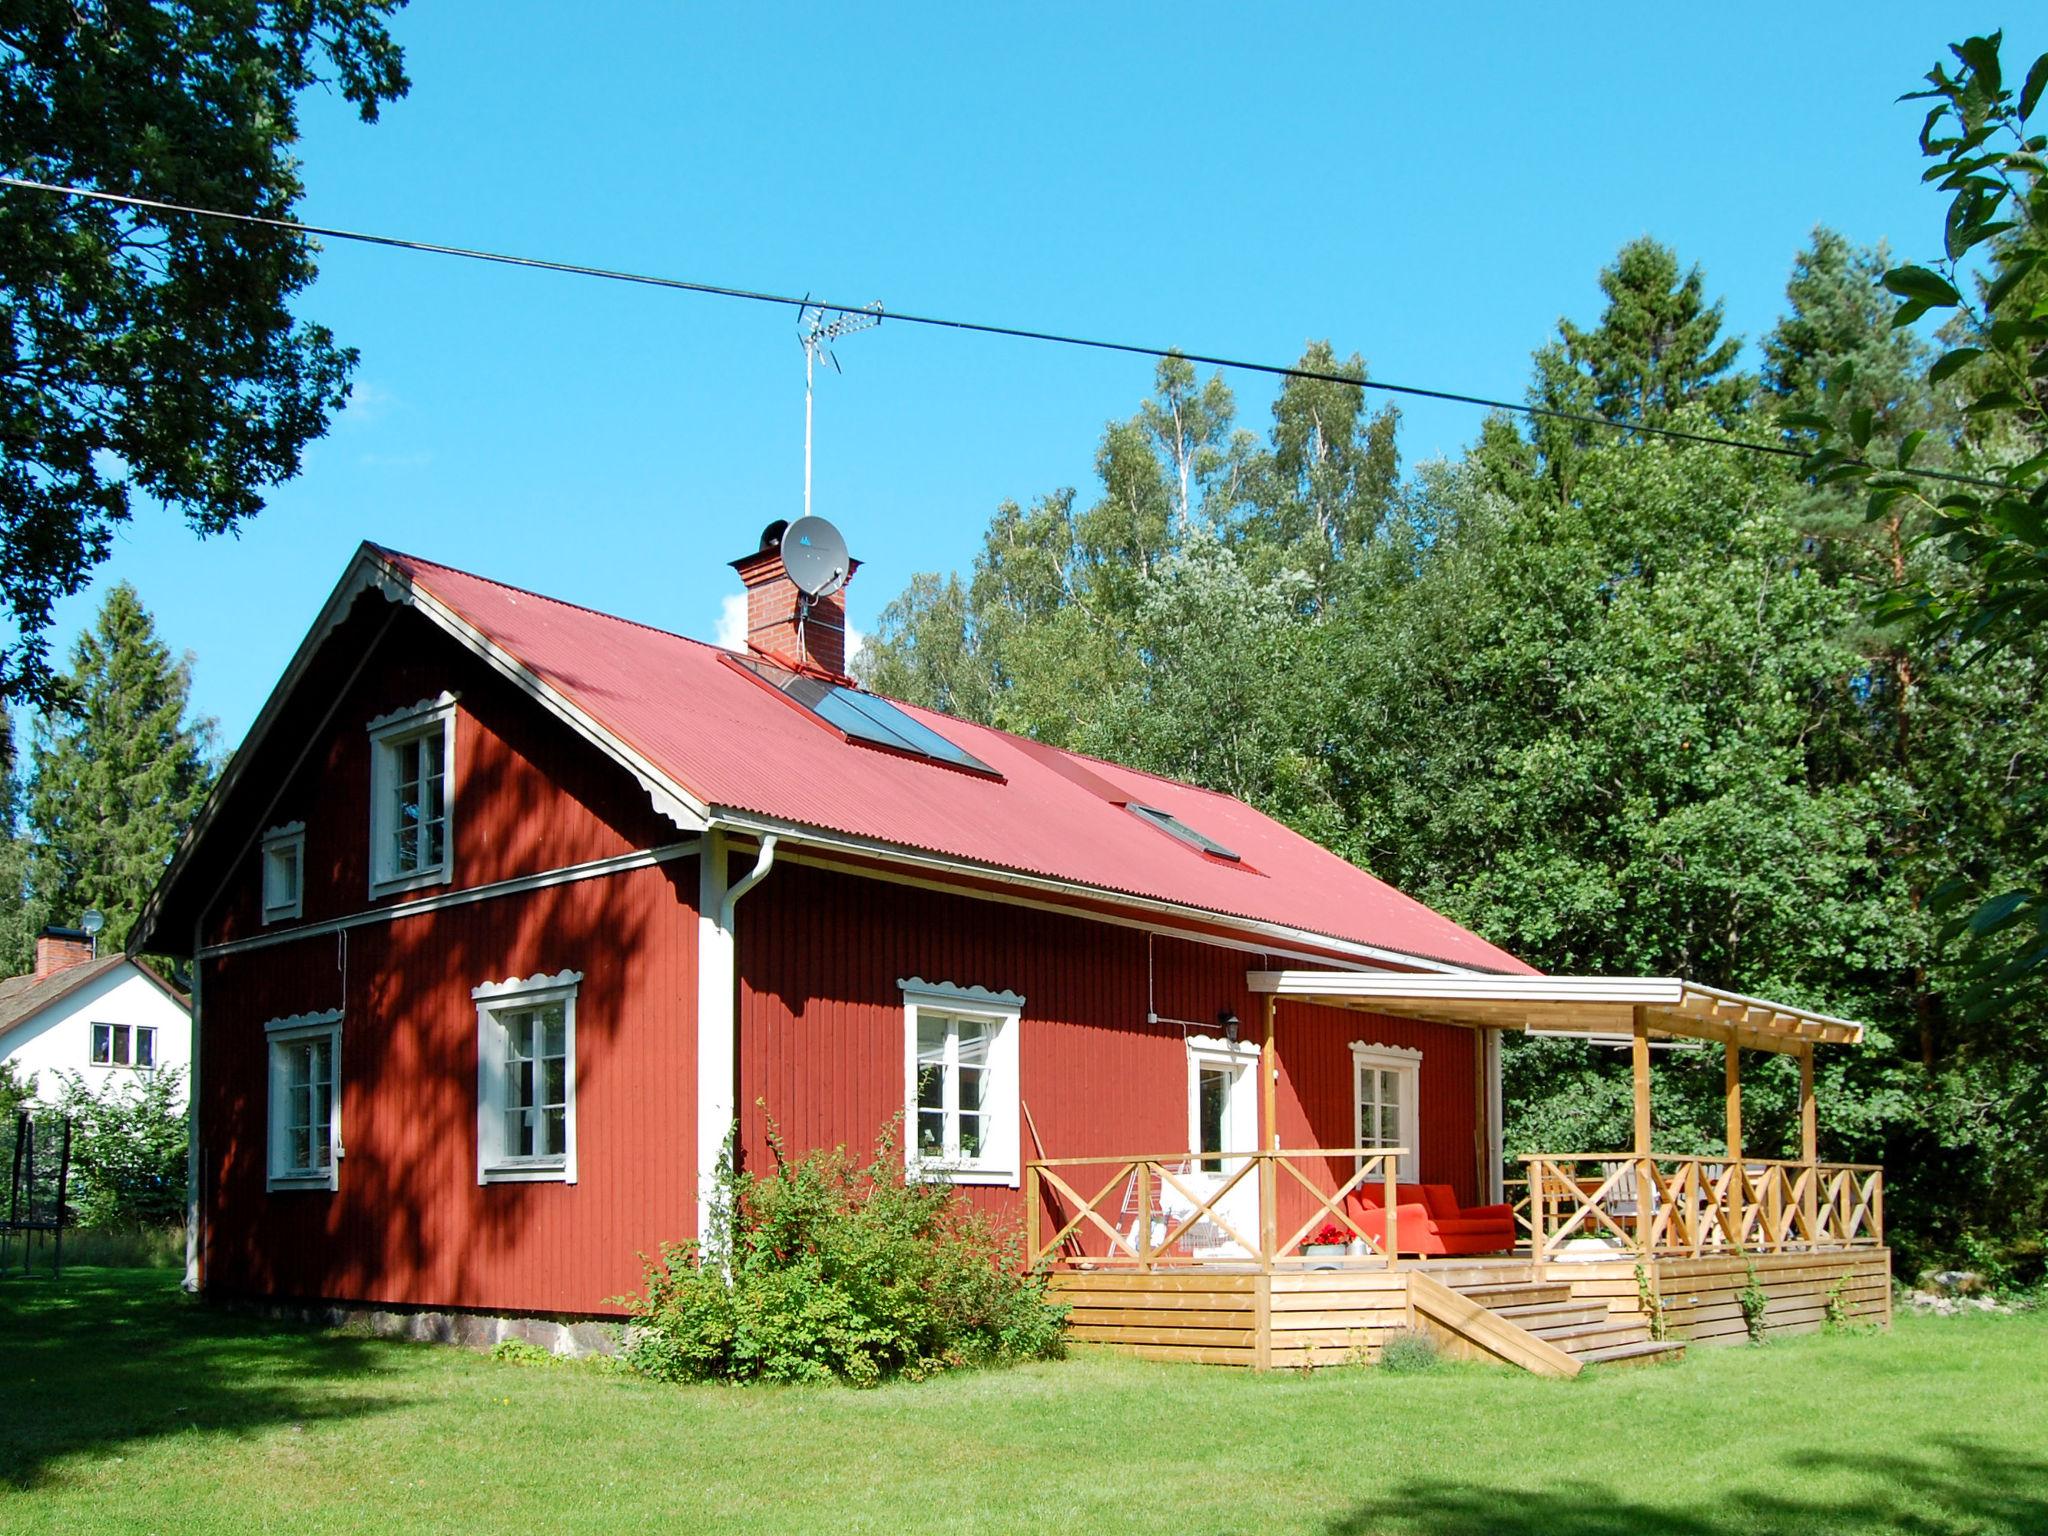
<point>1602,1005</point>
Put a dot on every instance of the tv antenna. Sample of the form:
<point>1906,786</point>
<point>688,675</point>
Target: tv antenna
<point>818,328</point>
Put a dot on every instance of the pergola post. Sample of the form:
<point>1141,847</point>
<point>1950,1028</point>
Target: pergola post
<point>1639,1060</point>
<point>1809,1110</point>
<point>1646,1180</point>
<point>1809,1144</point>
<point>1269,1139</point>
<point>1734,1091</point>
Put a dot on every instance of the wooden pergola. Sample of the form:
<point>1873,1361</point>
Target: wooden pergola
<point>1631,1009</point>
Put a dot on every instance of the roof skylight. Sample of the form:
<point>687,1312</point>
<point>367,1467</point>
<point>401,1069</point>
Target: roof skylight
<point>864,717</point>
<point>1173,826</point>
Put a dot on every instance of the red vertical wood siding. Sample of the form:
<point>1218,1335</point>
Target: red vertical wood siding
<point>821,1048</point>
<point>529,795</point>
<point>409,1222</point>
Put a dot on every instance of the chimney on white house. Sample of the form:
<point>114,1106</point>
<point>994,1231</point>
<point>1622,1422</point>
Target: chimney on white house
<point>59,949</point>
<point>805,634</point>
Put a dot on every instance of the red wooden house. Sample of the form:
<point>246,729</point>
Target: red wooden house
<point>508,913</point>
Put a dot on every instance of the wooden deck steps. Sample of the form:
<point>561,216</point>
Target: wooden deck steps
<point>1585,1331</point>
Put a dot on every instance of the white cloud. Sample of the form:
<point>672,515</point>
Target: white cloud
<point>854,641</point>
<point>732,621</point>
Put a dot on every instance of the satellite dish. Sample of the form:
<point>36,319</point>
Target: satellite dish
<point>814,554</point>
<point>93,922</point>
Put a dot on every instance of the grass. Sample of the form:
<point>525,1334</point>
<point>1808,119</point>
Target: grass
<point>128,1408</point>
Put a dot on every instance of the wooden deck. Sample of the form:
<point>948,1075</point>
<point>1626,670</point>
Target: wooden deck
<point>1624,1259</point>
<point>1550,1317</point>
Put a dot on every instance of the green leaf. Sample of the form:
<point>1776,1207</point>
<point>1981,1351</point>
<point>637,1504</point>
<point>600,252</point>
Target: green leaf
<point>1860,421</point>
<point>2037,81</point>
<point>1996,400</point>
<point>1999,912</point>
<point>1929,289</point>
<point>1981,55</point>
<point>1953,362</point>
<point>2011,272</point>
<point>1910,445</point>
<point>1804,421</point>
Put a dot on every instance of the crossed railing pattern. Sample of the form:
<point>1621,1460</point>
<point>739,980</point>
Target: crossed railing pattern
<point>1162,1224</point>
<point>1688,1206</point>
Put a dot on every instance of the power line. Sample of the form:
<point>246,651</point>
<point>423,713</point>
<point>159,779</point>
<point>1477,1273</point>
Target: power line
<point>941,322</point>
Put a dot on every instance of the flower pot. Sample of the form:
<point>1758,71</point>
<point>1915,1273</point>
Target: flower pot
<point>1323,1250</point>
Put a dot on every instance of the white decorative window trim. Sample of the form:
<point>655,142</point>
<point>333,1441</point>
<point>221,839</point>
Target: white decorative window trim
<point>1002,1161</point>
<point>493,1165</point>
<point>1385,1055</point>
<point>945,992</point>
<point>289,838</point>
<point>1371,1055</point>
<point>390,730</point>
<point>286,1031</point>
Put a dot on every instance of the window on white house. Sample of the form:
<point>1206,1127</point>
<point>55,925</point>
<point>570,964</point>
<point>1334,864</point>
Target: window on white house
<point>960,1082</point>
<point>411,804</point>
<point>284,865</point>
<point>305,1101</point>
<point>526,1079</point>
<point>123,1045</point>
<point>1384,1083</point>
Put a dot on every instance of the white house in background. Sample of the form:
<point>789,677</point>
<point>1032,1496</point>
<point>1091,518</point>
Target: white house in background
<point>106,1019</point>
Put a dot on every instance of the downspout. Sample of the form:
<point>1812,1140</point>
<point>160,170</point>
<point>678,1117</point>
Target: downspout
<point>718,1011</point>
<point>763,862</point>
<point>192,1214</point>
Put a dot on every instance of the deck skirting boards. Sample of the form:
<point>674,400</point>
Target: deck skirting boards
<point>1307,1319</point>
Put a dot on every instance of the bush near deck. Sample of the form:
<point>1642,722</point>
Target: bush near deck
<point>819,1270</point>
<point>131,1409</point>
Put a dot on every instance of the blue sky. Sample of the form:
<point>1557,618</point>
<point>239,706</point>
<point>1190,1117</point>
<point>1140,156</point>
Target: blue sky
<point>1432,188</point>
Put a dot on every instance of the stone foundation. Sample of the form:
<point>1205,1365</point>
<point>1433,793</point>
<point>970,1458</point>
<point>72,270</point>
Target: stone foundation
<point>574,1337</point>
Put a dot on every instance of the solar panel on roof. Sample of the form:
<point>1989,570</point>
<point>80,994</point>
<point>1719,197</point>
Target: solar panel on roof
<point>865,717</point>
<point>1173,826</point>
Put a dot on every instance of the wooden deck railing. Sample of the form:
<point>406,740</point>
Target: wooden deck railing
<point>1688,1206</point>
<point>1155,1212</point>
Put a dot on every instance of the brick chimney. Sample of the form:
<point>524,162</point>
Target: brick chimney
<point>59,949</point>
<point>805,635</point>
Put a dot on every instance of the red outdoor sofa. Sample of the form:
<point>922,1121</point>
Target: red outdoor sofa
<point>1428,1220</point>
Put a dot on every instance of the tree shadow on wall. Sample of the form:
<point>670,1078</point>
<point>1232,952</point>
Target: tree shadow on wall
<point>1953,1484</point>
<point>98,1362</point>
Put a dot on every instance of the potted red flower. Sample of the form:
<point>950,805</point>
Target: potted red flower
<point>1330,1238</point>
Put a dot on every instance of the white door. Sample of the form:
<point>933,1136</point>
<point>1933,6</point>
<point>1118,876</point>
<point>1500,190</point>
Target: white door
<point>1223,1117</point>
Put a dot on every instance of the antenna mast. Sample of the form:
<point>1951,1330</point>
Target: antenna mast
<point>818,328</point>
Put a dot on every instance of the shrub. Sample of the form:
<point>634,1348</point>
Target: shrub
<point>820,1270</point>
<point>127,1151</point>
<point>1406,1350</point>
<point>1755,1302</point>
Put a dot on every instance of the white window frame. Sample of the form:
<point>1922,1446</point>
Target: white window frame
<point>387,734</point>
<point>1401,1059</point>
<point>135,1033</point>
<point>296,1030</point>
<point>493,1164</point>
<point>1215,1051</point>
<point>278,842</point>
<point>1002,1160</point>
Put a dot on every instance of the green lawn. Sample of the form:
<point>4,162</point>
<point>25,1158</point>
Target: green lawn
<point>125,1408</point>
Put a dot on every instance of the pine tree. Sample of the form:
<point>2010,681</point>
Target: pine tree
<point>1657,350</point>
<point>120,771</point>
<point>17,942</point>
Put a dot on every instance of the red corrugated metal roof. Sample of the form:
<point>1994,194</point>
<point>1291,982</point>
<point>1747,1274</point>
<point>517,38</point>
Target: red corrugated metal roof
<point>735,744</point>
